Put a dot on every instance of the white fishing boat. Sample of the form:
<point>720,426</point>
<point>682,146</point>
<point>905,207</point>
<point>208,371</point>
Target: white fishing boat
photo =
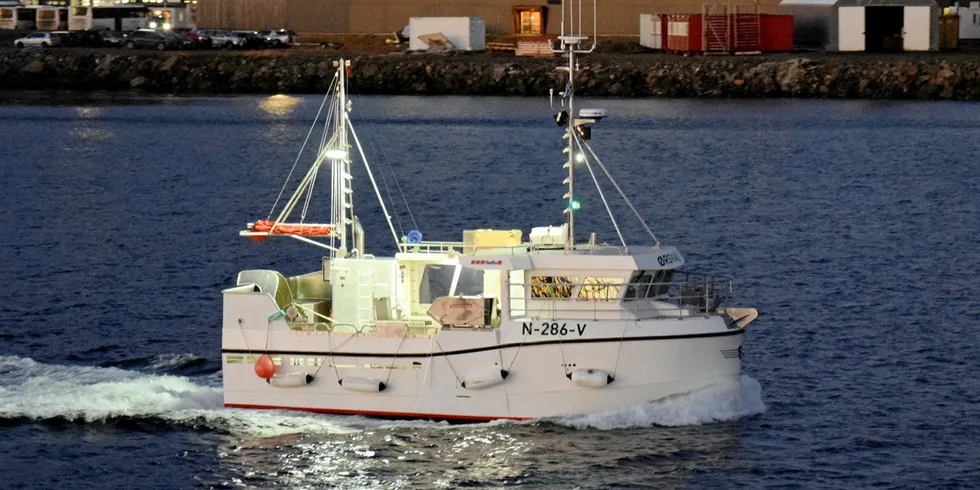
<point>494,326</point>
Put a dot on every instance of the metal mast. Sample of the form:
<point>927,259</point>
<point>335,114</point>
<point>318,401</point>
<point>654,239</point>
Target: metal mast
<point>338,151</point>
<point>571,44</point>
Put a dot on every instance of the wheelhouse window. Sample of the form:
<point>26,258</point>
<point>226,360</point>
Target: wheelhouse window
<point>648,284</point>
<point>469,283</point>
<point>601,288</point>
<point>529,20</point>
<point>552,287</point>
<point>437,280</point>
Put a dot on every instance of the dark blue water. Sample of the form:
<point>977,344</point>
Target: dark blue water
<point>852,226</point>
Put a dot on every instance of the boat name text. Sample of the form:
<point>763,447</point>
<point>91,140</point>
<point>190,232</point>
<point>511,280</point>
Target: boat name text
<point>486,262</point>
<point>553,328</point>
<point>667,259</point>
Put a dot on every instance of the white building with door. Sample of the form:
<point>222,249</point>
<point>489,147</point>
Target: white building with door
<point>969,20</point>
<point>885,26</point>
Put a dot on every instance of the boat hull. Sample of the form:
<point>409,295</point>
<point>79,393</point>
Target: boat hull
<point>538,382</point>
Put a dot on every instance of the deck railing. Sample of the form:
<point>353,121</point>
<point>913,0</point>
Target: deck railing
<point>683,294</point>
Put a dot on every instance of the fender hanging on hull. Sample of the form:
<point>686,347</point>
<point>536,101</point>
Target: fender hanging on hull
<point>290,380</point>
<point>590,378</point>
<point>485,379</point>
<point>365,385</point>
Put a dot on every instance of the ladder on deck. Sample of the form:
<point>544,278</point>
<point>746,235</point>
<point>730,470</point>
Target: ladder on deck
<point>715,29</point>
<point>365,298</point>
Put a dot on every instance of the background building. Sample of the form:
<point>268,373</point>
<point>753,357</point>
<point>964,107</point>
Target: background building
<point>885,26</point>
<point>503,17</point>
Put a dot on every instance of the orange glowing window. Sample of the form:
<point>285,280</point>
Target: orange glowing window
<point>529,19</point>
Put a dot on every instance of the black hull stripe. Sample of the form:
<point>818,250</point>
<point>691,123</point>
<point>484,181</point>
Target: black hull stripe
<point>482,349</point>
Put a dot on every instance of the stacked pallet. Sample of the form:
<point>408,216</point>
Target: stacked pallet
<point>511,47</point>
<point>539,46</point>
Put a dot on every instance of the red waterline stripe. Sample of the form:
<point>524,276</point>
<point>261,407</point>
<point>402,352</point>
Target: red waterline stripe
<point>372,413</point>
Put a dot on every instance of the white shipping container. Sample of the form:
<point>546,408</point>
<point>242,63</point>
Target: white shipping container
<point>466,33</point>
<point>651,31</point>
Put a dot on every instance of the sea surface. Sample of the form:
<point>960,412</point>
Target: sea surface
<point>853,227</point>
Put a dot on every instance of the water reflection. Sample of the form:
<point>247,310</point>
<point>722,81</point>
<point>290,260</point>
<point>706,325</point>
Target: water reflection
<point>279,105</point>
<point>90,112</point>
<point>83,132</point>
<point>278,108</point>
<point>86,131</point>
<point>481,455</point>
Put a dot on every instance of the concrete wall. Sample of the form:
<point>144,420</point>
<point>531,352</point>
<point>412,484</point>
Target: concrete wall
<point>616,17</point>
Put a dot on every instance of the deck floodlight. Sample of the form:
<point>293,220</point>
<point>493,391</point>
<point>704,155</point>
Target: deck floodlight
<point>336,154</point>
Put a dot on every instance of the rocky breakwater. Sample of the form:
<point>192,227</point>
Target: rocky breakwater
<point>954,77</point>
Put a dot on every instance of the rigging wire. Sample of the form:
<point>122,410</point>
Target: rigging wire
<point>309,197</point>
<point>578,139</point>
<point>621,193</point>
<point>300,154</point>
<point>384,157</point>
<point>375,149</point>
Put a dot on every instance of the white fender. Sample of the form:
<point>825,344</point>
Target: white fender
<point>290,380</point>
<point>366,385</point>
<point>590,378</point>
<point>484,379</point>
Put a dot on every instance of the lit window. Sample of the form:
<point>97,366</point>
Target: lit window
<point>529,19</point>
<point>296,361</point>
<point>601,288</point>
<point>557,287</point>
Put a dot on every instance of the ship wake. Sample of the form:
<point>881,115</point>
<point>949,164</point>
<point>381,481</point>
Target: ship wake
<point>58,394</point>
<point>36,391</point>
<point>721,402</point>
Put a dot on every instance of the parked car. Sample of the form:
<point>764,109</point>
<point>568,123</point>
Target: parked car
<point>67,39</point>
<point>144,38</point>
<point>251,39</point>
<point>42,39</point>
<point>89,38</point>
<point>279,38</point>
<point>113,39</point>
<point>180,39</point>
<point>196,40</point>
<point>221,39</point>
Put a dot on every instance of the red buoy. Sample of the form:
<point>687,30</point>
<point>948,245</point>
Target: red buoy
<point>264,368</point>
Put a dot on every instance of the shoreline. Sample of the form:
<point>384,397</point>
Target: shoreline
<point>925,76</point>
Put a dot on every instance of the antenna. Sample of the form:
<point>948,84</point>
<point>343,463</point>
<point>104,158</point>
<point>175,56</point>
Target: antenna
<point>573,41</point>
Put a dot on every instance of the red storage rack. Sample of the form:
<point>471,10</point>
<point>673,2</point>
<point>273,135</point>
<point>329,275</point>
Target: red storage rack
<point>744,32</point>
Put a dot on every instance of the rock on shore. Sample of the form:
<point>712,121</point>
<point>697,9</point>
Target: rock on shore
<point>953,77</point>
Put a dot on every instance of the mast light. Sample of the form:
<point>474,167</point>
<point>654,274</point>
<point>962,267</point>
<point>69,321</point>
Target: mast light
<point>336,154</point>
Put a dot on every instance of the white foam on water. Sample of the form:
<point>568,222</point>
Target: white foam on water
<point>39,391</point>
<point>162,362</point>
<point>33,390</point>
<point>721,402</point>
